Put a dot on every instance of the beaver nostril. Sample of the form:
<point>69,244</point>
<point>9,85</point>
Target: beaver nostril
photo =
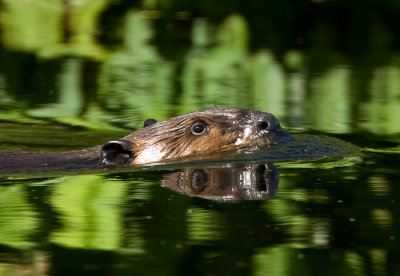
<point>263,125</point>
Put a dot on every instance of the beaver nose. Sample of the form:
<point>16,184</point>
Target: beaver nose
<point>282,136</point>
<point>263,126</point>
<point>274,131</point>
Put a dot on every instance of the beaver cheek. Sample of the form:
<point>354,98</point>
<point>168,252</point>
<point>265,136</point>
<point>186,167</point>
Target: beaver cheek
<point>150,154</point>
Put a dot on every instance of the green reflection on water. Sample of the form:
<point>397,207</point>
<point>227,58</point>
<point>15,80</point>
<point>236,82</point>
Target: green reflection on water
<point>269,84</point>
<point>139,219</point>
<point>31,25</point>
<point>316,88</point>
<point>379,258</point>
<point>70,101</point>
<point>203,225</point>
<point>290,261</point>
<point>135,79</point>
<point>329,104</point>
<point>382,112</point>
<point>90,212</point>
<point>271,261</point>
<point>217,74</point>
<point>52,28</point>
<point>18,218</point>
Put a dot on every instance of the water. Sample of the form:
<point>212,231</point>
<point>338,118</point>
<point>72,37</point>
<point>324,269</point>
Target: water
<point>94,72</point>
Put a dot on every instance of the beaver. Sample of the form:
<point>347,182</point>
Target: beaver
<point>195,135</point>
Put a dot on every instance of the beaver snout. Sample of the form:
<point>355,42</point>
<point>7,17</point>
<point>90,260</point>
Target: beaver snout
<point>264,129</point>
<point>271,128</point>
<point>280,136</point>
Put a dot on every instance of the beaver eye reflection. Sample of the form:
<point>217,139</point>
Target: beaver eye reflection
<point>198,181</point>
<point>198,128</point>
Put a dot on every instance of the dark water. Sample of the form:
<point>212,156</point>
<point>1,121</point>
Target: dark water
<point>77,75</point>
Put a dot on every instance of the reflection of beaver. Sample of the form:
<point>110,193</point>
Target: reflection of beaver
<point>226,183</point>
<point>192,136</point>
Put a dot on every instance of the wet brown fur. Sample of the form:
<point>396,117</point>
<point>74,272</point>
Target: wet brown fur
<point>223,127</point>
<point>165,141</point>
<point>177,140</point>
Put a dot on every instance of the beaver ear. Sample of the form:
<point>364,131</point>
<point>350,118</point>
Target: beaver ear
<point>149,122</point>
<point>117,153</point>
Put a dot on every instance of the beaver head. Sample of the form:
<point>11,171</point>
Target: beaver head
<point>195,135</point>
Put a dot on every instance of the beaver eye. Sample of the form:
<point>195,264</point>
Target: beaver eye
<point>198,128</point>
